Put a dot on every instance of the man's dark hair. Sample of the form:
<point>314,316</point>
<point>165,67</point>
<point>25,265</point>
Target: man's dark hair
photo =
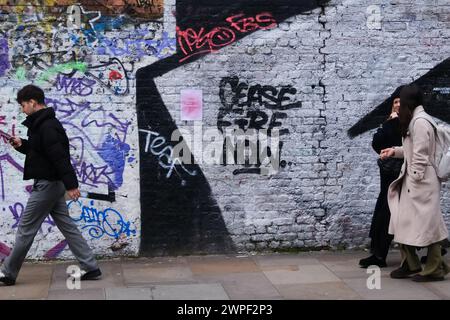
<point>31,92</point>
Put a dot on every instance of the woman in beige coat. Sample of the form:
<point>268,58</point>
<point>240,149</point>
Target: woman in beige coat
<point>414,198</point>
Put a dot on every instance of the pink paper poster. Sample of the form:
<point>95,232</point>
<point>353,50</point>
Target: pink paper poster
<point>191,104</point>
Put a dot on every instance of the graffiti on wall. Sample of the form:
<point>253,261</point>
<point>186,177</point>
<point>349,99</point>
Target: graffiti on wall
<point>83,54</point>
<point>100,223</point>
<point>178,218</point>
<point>159,147</point>
<point>98,142</point>
<point>255,107</point>
<point>193,42</point>
<point>43,9</point>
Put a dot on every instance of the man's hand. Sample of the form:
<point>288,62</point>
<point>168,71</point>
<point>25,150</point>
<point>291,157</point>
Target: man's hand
<point>73,194</point>
<point>15,142</point>
<point>387,153</point>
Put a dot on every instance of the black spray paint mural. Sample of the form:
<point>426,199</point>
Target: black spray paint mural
<point>436,87</point>
<point>254,107</point>
<point>179,213</point>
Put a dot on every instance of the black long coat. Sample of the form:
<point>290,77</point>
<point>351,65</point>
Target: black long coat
<point>388,135</point>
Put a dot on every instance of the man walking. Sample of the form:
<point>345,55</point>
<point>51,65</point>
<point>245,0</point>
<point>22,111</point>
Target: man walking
<point>48,163</point>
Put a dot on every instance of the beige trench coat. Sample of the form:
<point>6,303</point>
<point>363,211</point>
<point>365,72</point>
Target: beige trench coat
<point>414,197</point>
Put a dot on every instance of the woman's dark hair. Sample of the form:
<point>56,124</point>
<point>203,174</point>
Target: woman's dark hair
<point>31,92</point>
<point>411,97</point>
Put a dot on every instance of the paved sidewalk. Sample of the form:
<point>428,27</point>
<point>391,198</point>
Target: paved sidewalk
<point>311,275</point>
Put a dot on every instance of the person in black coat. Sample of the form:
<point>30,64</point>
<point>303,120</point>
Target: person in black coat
<point>47,151</point>
<point>47,161</point>
<point>388,135</point>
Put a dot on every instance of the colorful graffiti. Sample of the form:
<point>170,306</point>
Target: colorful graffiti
<point>45,9</point>
<point>137,46</point>
<point>83,54</point>
<point>107,147</point>
<point>62,66</point>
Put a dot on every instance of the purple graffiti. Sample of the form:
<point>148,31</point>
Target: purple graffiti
<point>10,160</point>
<point>4,56</point>
<point>81,86</point>
<point>56,250</point>
<point>80,118</point>
<point>68,111</point>
<point>93,176</point>
<point>17,210</point>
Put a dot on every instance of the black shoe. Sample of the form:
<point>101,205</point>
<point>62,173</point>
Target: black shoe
<point>420,278</point>
<point>372,261</point>
<point>7,281</point>
<point>403,273</point>
<point>91,275</point>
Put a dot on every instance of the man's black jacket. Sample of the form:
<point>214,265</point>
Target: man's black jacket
<point>47,150</point>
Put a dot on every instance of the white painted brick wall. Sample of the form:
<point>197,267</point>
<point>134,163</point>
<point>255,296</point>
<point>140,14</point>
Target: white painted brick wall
<point>341,70</point>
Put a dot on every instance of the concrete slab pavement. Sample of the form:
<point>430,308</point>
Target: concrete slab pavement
<point>303,276</point>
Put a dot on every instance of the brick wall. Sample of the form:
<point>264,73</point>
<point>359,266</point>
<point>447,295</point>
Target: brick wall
<point>315,71</point>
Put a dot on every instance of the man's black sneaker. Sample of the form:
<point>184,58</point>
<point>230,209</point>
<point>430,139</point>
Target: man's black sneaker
<point>372,261</point>
<point>7,281</point>
<point>91,275</point>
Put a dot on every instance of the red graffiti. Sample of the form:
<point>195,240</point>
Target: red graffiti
<point>115,75</point>
<point>193,43</point>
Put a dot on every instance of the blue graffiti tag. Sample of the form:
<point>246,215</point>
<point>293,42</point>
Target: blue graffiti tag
<point>160,48</point>
<point>4,57</point>
<point>108,222</point>
<point>114,152</point>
